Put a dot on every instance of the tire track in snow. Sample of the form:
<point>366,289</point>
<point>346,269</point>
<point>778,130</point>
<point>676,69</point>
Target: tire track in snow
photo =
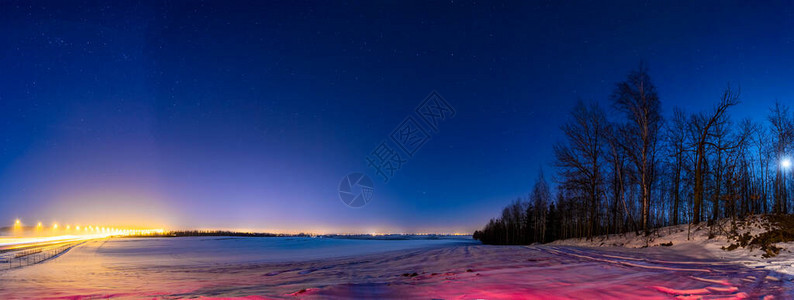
<point>626,263</point>
<point>718,272</point>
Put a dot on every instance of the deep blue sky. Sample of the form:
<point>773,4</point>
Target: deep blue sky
<point>246,115</point>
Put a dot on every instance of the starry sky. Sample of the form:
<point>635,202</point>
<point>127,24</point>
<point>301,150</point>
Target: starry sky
<point>247,114</point>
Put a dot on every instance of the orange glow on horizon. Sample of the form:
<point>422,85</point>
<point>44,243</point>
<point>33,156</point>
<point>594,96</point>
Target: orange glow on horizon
<point>73,229</point>
<point>89,231</point>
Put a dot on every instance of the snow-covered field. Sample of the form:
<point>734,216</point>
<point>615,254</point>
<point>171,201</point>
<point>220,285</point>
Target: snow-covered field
<point>298,268</point>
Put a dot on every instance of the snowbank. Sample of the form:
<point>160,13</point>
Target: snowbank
<point>714,240</point>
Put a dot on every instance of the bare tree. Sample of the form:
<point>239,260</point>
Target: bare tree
<point>676,141</point>
<point>764,157</point>
<point>638,99</point>
<point>578,159</point>
<point>703,132</point>
<point>721,144</point>
<point>539,200</point>
<point>783,134</point>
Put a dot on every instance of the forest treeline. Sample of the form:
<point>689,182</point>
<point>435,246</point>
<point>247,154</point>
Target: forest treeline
<point>641,170</point>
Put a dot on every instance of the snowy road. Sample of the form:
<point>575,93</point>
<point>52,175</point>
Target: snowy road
<point>317,268</point>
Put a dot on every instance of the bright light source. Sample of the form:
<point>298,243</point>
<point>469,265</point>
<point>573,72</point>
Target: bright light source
<point>17,222</point>
<point>786,163</point>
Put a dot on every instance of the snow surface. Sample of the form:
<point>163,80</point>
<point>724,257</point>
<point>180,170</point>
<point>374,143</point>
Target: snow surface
<point>301,268</point>
<point>695,240</point>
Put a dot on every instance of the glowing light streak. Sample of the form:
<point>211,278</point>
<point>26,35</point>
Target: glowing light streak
<point>37,234</point>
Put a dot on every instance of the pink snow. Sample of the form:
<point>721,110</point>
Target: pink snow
<point>305,268</point>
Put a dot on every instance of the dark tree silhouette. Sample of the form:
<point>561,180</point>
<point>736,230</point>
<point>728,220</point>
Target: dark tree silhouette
<point>702,128</point>
<point>783,134</point>
<point>637,98</point>
<point>610,173</point>
<point>579,161</point>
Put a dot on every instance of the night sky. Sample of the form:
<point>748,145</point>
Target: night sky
<point>246,115</point>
